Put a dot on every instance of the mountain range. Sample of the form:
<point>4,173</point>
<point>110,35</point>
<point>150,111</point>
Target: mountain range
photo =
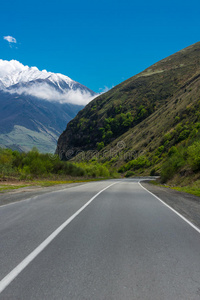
<point>143,116</point>
<point>35,106</point>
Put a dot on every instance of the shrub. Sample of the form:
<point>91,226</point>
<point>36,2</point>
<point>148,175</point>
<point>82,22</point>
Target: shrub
<point>121,169</point>
<point>100,146</point>
<point>6,162</point>
<point>172,165</point>
<point>167,137</point>
<point>159,150</point>
<point>94,169</point>
<point>153,172</point>
<point>194,156</point>
<point>33,164</point>
<point>172,151</point>
<point>177,119</point>
<point>129,174</point>
<point>183,135</point>
<point>138,163</point>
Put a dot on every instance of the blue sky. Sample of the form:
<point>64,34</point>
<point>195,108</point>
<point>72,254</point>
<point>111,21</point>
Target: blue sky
<point>97,43</point>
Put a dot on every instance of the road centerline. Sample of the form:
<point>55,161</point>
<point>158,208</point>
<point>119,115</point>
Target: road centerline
<point>23,264</point>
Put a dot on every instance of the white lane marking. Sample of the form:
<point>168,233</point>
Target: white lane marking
<point>21,266</point>
<point>181,216</point>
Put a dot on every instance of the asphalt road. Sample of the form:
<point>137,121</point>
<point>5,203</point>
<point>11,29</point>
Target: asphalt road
<point>108,240</point>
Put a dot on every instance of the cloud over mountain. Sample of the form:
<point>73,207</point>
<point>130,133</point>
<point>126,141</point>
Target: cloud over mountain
<point>47,92</point>
<point>16,78</point>
<point>35,106</point>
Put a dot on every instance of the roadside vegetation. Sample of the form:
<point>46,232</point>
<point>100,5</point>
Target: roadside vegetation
<point>176,160</point>
<point>184,157</point>
<point>46,169</point>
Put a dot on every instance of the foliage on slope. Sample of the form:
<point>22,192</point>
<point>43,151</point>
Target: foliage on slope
<point>123,108</point>
<point>177,149</point>
<point>163,142</point>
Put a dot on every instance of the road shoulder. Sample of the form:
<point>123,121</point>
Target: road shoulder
<point>32,191</point>
<point>186,204</point>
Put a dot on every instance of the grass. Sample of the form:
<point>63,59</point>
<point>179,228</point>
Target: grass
<point>187,189</point>
<point>193,189</point>
<point>42,183</point>
<point>46,183</point>
<point>11,187</point>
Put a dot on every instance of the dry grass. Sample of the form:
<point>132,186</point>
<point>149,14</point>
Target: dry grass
<point>17,184</point>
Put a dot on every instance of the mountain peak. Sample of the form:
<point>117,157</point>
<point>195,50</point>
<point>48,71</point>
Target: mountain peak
<point>36,105</point>
<point>15,78</point>
<point>13,72</point>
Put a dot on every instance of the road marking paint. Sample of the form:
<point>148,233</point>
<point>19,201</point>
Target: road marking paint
<point>181,216</point>
<point>21,266</point>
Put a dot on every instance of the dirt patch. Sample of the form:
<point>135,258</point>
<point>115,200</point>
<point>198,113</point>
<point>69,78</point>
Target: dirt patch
<point>13,182</point>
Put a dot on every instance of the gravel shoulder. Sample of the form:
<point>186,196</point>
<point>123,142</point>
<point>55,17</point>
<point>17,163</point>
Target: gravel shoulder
<point>32,191</point>
<point>186,204</point>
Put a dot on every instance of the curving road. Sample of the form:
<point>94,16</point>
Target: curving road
<point>107,240</point>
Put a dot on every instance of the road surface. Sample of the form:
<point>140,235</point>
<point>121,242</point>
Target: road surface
<point>107,240</point>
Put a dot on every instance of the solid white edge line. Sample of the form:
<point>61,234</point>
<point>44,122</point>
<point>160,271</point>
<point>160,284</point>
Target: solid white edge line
<point>21,266</point>
<point>177,213</point>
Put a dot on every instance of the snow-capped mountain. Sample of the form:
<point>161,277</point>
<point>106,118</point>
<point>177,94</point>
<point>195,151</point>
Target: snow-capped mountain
<point>20,79</point>
<point>13,72</point>
<point>35,106</point>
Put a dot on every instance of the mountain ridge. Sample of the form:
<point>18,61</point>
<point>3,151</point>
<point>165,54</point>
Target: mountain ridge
<point>108,118</point>
<point>36,103</point>
<point>20,79</point>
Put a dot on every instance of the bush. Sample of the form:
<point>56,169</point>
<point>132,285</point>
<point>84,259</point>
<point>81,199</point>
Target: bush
<point>172,165</point>
<point>100,146</point>
<point>94,169</point>
<point>159,151</point>
<point>172,150</point>
<point>153,172</point>
<point>34,164</point>
<point>167,137</point>
<point>138,163</point>
<point>194,156</point>
<point>183,135</point>
<point>121,169</point>
<point>6,162</point>
<point>129,174</point>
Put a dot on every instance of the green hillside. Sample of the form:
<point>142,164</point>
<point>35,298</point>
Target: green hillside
<point>141,123</point>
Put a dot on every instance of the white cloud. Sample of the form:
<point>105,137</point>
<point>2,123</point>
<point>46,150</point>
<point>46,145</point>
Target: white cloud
<point>46,92</point>
<point>10,39</point>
